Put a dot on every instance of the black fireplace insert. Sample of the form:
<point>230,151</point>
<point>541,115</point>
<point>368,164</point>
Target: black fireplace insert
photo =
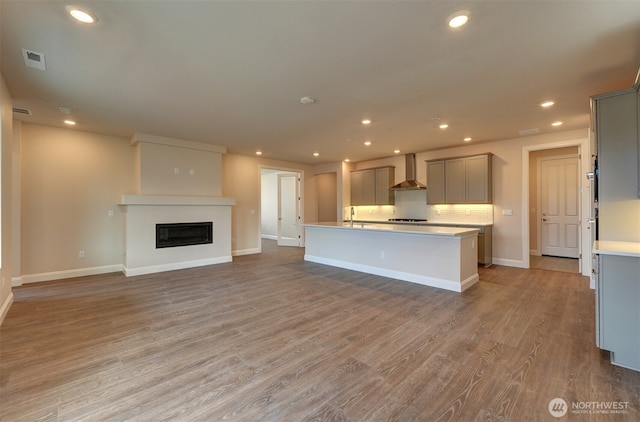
<point>183,234</point>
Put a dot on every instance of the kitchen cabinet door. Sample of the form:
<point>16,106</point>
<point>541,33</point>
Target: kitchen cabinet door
<point>357,188</point>
<point>435,182</point>
<point>455,181</point>
<point>385,177</point>
<point>371,186</point>
<point>478,179</point>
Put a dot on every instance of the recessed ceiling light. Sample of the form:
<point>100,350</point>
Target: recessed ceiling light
<point>443,126</point>
<point>346,160</point>
<point>467,139</point>
<point>556,124</point>
<point>547,104</point>
<point>307,100</point>
<point>367,143</point>
<point>366,121</point>
<point>258,152</point>
<point>396,151</point>
<point>459,19</point>
<point>69,122</point>
<point>65,110</point>
<point>315,154</point>
<point>81,15</point>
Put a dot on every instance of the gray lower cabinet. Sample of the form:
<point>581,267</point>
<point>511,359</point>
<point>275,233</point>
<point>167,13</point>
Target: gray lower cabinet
<point>617,310</point>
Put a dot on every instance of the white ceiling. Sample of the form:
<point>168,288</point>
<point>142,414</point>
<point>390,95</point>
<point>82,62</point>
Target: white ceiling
<point>231,73</point>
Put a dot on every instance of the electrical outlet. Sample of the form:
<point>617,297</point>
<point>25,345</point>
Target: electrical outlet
<point>381,254</point>
<point>81,254</point>
<point>110,213</point>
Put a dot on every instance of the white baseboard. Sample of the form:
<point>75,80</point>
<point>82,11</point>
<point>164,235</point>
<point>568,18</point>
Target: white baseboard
<point>129,272</point>
<point>239,252</point>
<point>4,309</point>
<point>509,262</point>
<point>535,252</point>
<point>57,275</point>
<point>269,236</point>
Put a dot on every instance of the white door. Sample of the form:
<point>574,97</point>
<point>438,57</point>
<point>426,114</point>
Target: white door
<point>560,205</point>
<point>288,210</point>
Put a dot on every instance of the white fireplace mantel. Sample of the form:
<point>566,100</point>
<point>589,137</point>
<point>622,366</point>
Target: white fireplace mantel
<point>176,200</point>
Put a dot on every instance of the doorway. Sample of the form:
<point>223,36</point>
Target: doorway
<point>555,209</point>
<point>281,206</point>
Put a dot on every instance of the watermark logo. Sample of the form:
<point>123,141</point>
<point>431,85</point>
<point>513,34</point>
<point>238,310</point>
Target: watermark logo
<point>558,407</point>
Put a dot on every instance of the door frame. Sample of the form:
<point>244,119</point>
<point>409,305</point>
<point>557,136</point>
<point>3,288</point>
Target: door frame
<point>298,223</point>
<point>539,197</point>
<point>584,153</point>
<point>301,201</point>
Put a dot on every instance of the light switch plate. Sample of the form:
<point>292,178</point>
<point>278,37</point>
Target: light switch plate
<point>507,212</point>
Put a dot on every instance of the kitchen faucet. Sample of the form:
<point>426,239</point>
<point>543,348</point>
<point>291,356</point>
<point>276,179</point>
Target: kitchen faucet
<point>351,217</point>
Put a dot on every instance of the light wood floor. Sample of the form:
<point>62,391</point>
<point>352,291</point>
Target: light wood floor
<point>554,263</point>
<point>273,338</point>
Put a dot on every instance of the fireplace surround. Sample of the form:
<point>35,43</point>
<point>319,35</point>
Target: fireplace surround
<point>142,215</point>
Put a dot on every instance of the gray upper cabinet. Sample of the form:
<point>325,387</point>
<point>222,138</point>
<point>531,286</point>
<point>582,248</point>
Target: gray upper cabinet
<point>478,179</point>
<point>617,138</point>
<point>371,186</point>
<point>385,178</point>
<point>435,182</point>
<point>462,180</point>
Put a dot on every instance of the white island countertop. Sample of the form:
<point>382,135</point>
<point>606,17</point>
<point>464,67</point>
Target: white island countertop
<point>610,247</point>
<point>400,228</point>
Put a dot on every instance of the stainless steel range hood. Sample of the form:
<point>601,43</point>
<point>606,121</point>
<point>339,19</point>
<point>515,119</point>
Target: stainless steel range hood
<point>410,183</point>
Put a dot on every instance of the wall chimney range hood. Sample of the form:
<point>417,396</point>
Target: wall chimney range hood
<point>410,182</point>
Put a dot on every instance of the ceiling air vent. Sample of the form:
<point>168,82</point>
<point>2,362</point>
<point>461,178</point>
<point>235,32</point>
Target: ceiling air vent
<point>22,111</point>
<point>526,132</point>
<point>33,59</point>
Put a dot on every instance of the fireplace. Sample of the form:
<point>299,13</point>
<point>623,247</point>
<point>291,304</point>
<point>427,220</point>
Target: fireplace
<point>172,235</point>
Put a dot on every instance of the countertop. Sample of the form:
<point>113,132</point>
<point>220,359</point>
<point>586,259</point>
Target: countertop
<point>424,223</point>
<point>609,247</point>
<point>399,228</point>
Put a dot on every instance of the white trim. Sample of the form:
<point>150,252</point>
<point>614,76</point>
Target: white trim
<point>398,275</point>
<point>78,272</point>
<point>129,272</point>
<point>269,236</point>
<point>130,200</point>
<point>511,262</point>
<point>5,307</point>
<point>173,142</point>
<point>16,281</point>
<point>251,251</point>
<point>585,201</point>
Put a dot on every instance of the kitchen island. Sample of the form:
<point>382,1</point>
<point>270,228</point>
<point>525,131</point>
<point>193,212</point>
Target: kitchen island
<point>443,257</point>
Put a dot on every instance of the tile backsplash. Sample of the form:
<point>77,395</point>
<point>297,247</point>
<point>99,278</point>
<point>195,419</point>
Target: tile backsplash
<point>461,213</point>
<point>412,204</point>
